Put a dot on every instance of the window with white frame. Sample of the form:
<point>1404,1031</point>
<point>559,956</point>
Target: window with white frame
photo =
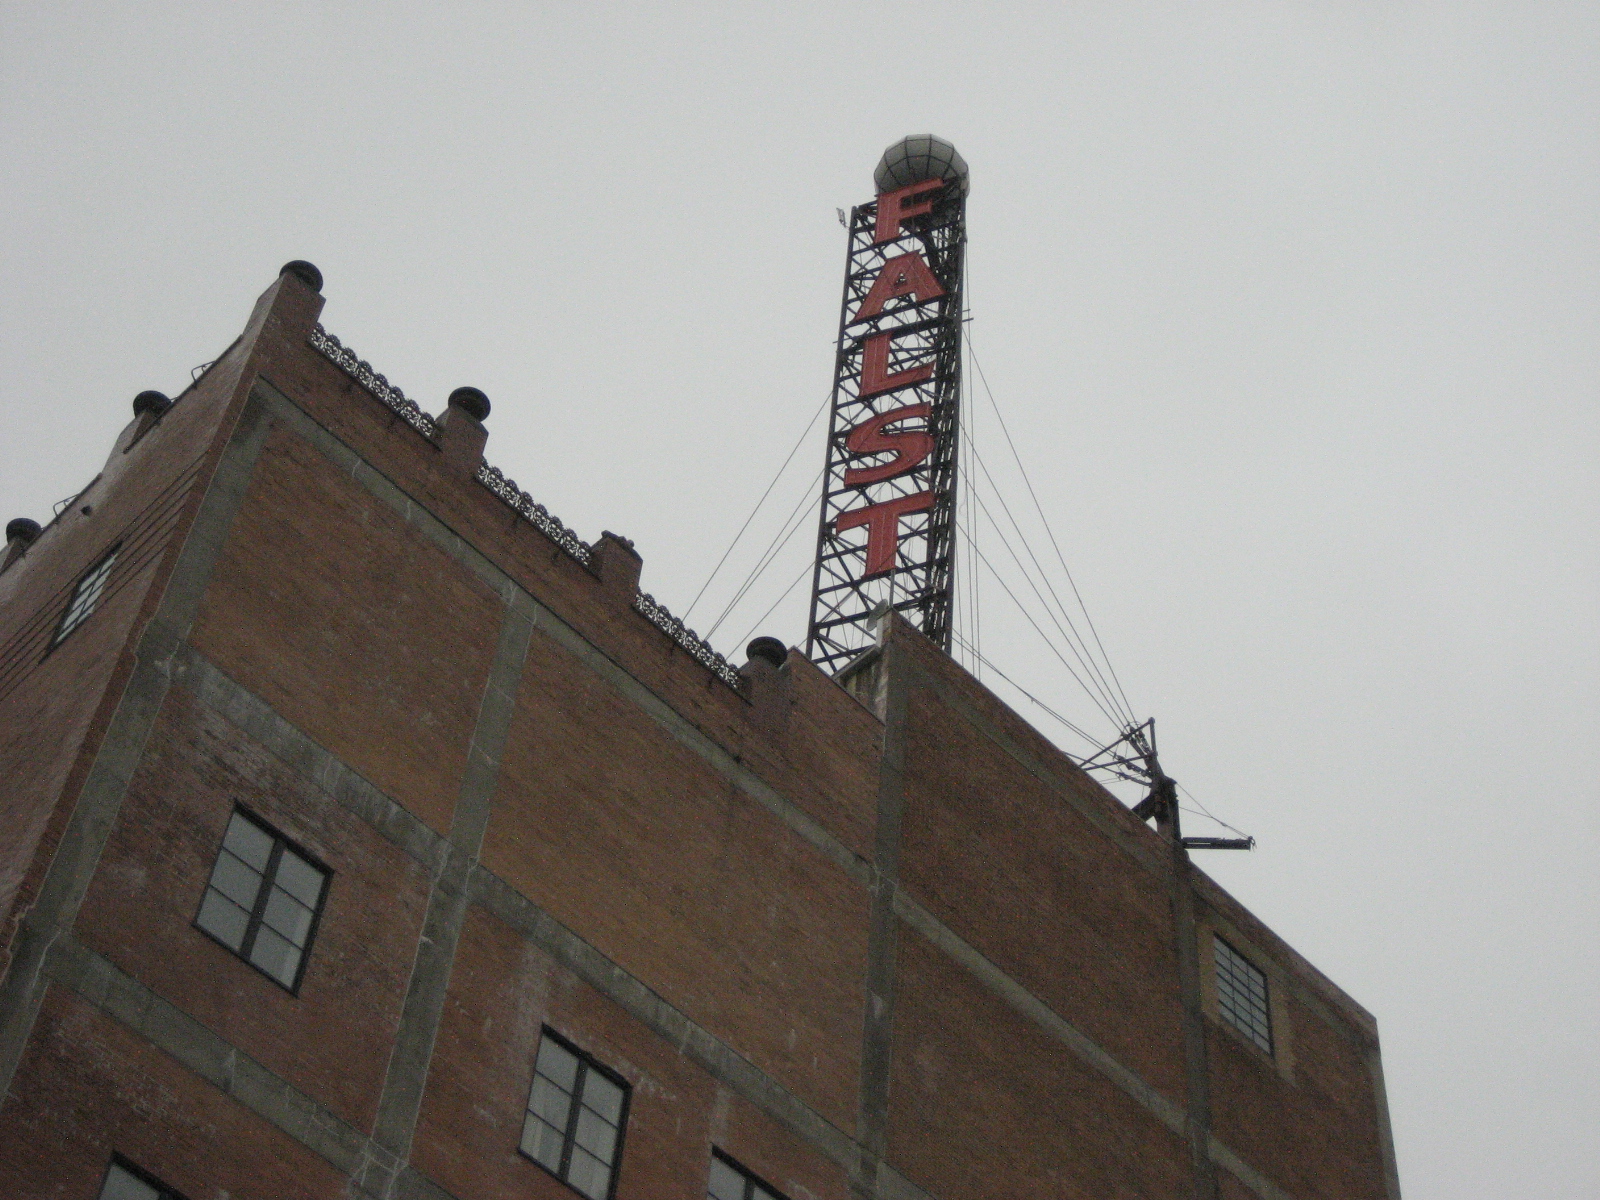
<point>263,899</point>
<point>730,1181</point>
<point>124,1181</point>
<point>577,1110</point>
<point>1242,995</point>
<point>85,597</point>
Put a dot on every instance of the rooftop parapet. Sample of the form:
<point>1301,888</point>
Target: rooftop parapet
<point>392,397</point>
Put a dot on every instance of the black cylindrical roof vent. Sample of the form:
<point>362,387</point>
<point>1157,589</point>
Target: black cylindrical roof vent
<point>305,272</point>
<point>21,529</point>
<point>768,649</point>
<point>474,402</point>
<point>151,402</point>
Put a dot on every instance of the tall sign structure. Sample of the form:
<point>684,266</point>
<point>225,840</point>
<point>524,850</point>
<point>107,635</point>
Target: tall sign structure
<point>887,528</point>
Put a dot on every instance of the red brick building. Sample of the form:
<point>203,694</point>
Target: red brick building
<point>367,834</point>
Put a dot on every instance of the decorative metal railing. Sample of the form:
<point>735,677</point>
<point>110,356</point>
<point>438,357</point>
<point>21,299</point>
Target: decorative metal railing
<point>541,517</point>
<point>699,649</point>
<point>361,371</point>
<point>537,514</point>
<point>407,410</point>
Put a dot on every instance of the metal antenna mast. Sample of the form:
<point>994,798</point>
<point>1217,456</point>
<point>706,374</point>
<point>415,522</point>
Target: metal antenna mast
<point>1133,757</point>
<point>886,534</point>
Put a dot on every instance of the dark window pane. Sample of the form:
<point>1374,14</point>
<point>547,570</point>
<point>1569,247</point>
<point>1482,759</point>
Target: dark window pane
<point>726,1183</point>
<point>573,1124</point>
<point>256,902</point>
<point>287,916</point>
<point>596,1135</point>
<point>249,841</point>
<point>541,1143</point>
<point>299,878</point>
<point>223,919</point>
<point>558,1063</point>
<point>236,881</point>
<point>124,1185</point>
<point>85,596</point>
<point>730,1181</point>
<point>1242,995</point>
<point>588,1174</point>
<point>275,956</point>
<point>550,1102</point>
<point>605,1097</point>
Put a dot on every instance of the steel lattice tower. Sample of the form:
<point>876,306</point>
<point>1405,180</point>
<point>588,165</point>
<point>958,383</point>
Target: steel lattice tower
<point>886,534</point>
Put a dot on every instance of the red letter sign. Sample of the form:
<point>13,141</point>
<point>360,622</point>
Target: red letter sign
<point>898,206</point>
<point>905,275</point>
<point>883,528</point>
<point>875,377</point>
<point>910,446</point>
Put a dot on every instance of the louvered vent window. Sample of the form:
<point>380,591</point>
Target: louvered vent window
<point>1242,995</point>
<point>263,899</point>
<point>85,597</point>
<point>577,1111</point>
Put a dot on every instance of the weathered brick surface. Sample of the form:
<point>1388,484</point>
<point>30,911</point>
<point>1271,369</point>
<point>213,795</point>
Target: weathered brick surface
<point>54,703</point>
<point>1013,868</point>
<point>502,993</point>
<point>49,727</point>
<point>629,839</point>
<point>88,1088</point>
<point>367,638</point>
<point>1315,1136</point>
<point>825,761</point>
<point>777,1155</point>
<point>828,757</point>
<point>332,1040</point>
<point>361,628</point>
<point>1311,1125</point>
<point>51,742</point>
<point>986,1106</point>
<point>1014,736</point>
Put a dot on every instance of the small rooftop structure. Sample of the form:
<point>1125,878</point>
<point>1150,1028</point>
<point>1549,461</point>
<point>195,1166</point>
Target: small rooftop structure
<point>917,157</point>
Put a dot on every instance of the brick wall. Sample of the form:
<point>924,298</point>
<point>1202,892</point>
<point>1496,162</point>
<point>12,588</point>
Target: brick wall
<point>1002,858</point>
<point>370,640</point>
<point>901,947</point>
<point>88,1087</point>
<point>53,700</point>
<point>987,1105</point>
<point>332,1039</point>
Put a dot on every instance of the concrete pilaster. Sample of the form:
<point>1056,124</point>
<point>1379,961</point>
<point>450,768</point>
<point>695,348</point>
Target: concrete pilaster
<point>877,1038</point>
<point>407,1074</point>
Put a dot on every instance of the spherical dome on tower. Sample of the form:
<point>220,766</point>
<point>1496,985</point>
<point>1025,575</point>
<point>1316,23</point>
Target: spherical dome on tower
<point>916,158</point>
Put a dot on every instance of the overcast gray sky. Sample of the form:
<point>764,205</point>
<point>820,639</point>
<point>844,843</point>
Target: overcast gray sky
<point>1292,308</point>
